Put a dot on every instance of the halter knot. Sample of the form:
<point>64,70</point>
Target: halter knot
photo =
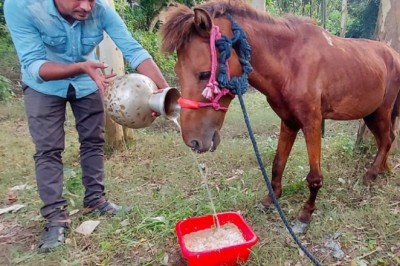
<point>236,85</point>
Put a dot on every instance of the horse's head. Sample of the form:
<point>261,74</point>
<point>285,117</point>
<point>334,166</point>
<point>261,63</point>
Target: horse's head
<point>203,107</point>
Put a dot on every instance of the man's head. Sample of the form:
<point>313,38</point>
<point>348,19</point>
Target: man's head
<point>73,10</point>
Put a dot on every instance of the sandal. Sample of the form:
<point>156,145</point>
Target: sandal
<point>104,208</point>
<point>53,235</point>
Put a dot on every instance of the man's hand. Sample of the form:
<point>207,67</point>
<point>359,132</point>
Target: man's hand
<point>95,71</point>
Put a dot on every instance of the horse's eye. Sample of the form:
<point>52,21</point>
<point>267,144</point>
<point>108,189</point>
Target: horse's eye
<point>204,75</point>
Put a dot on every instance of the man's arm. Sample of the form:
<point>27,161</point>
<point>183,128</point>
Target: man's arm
<point>54,71</point>
<point>149,68</point>
<point>26,37</point>
<point>32,52</point>
<point>135,54</point>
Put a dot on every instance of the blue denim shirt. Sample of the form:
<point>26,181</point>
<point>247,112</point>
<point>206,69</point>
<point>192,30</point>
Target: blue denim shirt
<point>40,34</point>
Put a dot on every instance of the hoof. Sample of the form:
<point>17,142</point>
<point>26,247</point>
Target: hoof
<point>369,178</point>
<point>368,181</point>
<point>299,228</point>
<point>263,209</point>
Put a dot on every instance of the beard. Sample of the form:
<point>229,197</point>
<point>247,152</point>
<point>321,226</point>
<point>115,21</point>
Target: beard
<point>80,15</point>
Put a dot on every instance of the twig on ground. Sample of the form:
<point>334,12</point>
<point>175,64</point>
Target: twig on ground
<point>370,253</point>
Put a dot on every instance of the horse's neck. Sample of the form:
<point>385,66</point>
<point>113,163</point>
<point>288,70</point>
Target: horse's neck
<point>268,56</point>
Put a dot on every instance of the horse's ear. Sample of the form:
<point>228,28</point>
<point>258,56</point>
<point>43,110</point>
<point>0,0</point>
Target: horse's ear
<point>202,22</point>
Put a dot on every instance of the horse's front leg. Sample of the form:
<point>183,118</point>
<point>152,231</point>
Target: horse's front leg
<point>287,136</point>
<point>312,134</point>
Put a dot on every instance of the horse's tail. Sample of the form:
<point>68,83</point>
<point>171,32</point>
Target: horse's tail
<point>395,119</point>
<point>396,108</point>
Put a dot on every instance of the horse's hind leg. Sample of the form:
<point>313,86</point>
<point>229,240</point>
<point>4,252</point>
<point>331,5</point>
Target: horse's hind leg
<point>381,127</point>
<point>287,136</point>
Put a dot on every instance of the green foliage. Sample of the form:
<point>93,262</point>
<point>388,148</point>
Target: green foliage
<point>151,42</point>
<point>5,89</point>
<point>4,34</point>
<point>2,20</point>
<point>362,18</point>
<point>3,29</point>
<point>134,16</point>
<point>140,17</point>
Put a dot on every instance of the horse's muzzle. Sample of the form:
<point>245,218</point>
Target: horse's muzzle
<point>204,146</point>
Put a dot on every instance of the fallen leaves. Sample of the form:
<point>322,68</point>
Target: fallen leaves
<point>12,208</point>
<point>12,193</point>
<point>87,227</point>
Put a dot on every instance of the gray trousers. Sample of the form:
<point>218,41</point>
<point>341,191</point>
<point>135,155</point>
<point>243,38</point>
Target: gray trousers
<point>46,117</point>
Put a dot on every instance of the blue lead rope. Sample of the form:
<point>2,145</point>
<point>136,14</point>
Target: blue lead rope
<point>238,86</point>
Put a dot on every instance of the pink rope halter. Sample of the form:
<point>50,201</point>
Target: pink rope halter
<point>212,91</point>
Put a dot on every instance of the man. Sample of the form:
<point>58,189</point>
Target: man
<point>55,41</point>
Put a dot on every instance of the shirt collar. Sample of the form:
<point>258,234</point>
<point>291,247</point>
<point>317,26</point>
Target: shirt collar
<point>53,9</point>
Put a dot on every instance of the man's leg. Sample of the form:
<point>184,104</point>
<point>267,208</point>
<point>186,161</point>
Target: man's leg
<point>89,117</point>
<point>46,116</point>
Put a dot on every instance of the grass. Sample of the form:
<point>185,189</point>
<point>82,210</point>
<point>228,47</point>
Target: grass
<point>158,177</point>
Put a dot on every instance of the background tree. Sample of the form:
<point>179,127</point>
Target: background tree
<point>387,30</point>
<point>115,135</point>
<point>143,14</point>
<point>259,4</point>
<point>344,19</point>
<point>362,18</point>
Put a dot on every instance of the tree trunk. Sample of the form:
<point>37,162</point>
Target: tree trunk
<point>387,30</point>
<point>323,13</point>
<point>115,134</point>
<point>259,4</point>
<point>344,18</point>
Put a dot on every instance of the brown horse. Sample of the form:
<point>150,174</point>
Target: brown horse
<point>306,74</point>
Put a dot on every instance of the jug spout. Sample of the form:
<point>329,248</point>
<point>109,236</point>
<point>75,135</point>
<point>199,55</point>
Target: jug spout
<point>165,103</point>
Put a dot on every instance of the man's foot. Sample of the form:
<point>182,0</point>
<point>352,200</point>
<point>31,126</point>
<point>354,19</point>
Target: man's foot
<point>53,235</point>
<point>104,208</point>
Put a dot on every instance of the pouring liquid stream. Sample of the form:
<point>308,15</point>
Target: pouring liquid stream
<point>203,174</point>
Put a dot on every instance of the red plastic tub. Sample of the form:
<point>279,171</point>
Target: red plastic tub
<point>226,256</point>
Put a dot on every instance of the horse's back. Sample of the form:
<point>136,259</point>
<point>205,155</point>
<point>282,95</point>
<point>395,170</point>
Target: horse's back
<point>352,76</point>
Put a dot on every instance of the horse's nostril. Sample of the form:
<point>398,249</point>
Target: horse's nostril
<point>195,145</point>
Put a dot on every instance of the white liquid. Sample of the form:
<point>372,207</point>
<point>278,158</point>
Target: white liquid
<point>175,120</point>
<point>203,175</point>
<point>204,179</point>
<point>209,239</point>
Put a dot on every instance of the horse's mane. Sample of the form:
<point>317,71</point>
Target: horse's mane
<point>179,27</point>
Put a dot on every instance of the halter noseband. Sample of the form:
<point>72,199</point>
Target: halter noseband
<point>190,104</point>
<point>229,86</point>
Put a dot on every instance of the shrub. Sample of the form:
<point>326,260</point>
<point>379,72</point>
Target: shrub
<point>5,89</point>
<point>151,42</point>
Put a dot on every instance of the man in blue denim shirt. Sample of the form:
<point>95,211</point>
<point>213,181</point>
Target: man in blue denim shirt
<point>55,41</point>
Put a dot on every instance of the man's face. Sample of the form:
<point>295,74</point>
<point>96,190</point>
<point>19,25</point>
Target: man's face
<point>75,9</point>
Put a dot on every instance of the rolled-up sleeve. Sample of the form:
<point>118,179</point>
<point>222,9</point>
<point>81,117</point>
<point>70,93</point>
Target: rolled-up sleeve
<point>33,70</point>
<point>115,27</point>
<point>26,38</point>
